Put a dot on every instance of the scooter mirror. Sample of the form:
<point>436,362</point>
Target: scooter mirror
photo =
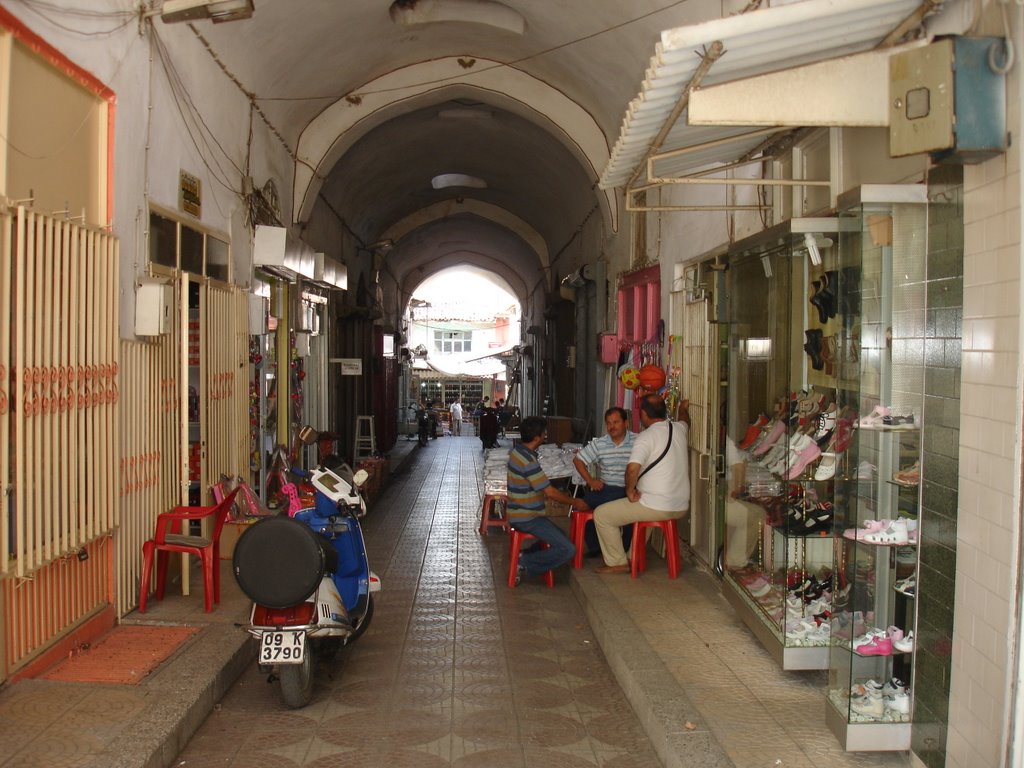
<point>308,435</point>
<point>360,477</point>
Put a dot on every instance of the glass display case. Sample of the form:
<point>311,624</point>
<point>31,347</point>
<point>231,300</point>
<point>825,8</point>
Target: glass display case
<point>780,417</point>
<point>880,386</point>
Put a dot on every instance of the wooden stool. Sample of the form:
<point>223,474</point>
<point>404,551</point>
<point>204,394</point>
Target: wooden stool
<point>671,531</point>
<point>515,545</point>
<point>487,516</point>
<point>578,520</point>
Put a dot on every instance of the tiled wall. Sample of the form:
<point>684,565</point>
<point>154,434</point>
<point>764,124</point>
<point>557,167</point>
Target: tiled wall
<point>988,514</point>
<point>940,453</point>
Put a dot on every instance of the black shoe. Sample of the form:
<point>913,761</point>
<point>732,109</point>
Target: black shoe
<point>813,347</point>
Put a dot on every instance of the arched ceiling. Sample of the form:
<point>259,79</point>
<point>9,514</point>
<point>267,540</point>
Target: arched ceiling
<point>552,112</point>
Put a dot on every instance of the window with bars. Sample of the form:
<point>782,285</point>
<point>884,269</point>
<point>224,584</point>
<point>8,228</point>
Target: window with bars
<point>176,245</point>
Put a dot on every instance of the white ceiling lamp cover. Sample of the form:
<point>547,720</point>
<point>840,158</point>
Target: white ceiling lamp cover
<point>761,41</point>
<point>217,11</point>
<point>410,14</point>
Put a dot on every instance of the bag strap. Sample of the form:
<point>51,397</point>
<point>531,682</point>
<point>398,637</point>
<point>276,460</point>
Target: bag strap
<point>668,445</point>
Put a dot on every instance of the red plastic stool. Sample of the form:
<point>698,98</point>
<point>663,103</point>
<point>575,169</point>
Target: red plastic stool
<point>671,531</point>
<point>578,520</point>
<point>488,518</point>
<point>515,542</point>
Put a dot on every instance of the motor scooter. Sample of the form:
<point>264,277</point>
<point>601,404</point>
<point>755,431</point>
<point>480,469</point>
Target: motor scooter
<point>308,577</point>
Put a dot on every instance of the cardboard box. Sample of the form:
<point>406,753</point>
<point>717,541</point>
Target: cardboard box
<point>232,531</point>
<point>556,508</point>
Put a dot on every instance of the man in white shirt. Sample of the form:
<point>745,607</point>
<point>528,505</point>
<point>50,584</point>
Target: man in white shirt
<point>657,481</point>
<point>456,411</point>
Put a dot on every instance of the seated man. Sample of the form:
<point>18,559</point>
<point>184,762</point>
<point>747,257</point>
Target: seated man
<point>657,481</point>
<point>528,488</point>
<point>610,454</point>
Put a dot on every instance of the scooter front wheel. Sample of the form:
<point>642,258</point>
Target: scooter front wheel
<point>297,681</point>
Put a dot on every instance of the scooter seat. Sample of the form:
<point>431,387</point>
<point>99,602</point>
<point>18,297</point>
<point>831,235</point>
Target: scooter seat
<point>279,561</point>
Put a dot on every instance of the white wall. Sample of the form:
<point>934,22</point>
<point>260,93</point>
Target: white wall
<point>151,146</point>
<point>986,612</point>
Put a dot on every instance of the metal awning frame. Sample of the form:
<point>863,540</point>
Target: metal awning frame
<point>709,56</point>
<point>698,177</point>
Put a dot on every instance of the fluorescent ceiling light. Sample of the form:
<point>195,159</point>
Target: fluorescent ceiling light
<point>445,180</point>
<point>216,10</point>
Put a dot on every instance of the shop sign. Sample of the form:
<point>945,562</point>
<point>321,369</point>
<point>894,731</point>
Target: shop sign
<point>350,366</point>
<point>190,194</point>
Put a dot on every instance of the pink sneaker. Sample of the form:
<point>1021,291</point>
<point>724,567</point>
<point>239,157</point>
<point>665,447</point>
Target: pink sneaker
<point>776,432</point>
<point>877,646</point>
<point>874,419</point>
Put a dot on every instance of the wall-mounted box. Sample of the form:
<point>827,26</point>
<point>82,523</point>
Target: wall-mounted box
<point>948,100</point>
<point>259,309</point>
<point>608,348</point>
<point>154,303</point>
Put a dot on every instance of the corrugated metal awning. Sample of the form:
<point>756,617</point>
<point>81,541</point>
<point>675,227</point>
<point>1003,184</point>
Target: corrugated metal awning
<point>754,43</point>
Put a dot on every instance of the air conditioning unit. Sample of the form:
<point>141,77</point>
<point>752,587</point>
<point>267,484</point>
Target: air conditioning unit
<point>277,251</point>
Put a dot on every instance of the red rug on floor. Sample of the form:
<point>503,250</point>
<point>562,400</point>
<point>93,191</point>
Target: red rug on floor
<point>124,656</point>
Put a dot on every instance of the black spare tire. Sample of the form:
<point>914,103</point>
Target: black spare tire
<point>279,562</point>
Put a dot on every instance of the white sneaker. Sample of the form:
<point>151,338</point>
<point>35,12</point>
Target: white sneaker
<point>895,534</point>
<point>904,644</point>
<point>868,706</point>
<point>899,702</point>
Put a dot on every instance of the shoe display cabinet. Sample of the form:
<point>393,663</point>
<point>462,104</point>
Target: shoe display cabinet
<point>880,383</point>
<point>781,411</point>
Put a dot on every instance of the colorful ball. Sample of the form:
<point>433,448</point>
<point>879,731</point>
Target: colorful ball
<point>651,377</point>
<point>629,377</point>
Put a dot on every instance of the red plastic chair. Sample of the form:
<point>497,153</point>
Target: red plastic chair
<point>492,513</point>
<point>578,520</point>
<point>670,528</point>
<point>515,545</point>
<point>168,539</point>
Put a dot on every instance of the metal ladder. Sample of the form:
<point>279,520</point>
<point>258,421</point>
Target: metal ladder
<point>365,442</point>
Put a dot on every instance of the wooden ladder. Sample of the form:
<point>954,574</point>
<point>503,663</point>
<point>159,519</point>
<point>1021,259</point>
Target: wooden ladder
<point>365,443</point>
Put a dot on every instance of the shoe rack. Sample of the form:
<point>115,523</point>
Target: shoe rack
<point>880,385</point>
<point>783,368</point>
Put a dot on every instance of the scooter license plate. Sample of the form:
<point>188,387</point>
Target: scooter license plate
<point>282,647</point>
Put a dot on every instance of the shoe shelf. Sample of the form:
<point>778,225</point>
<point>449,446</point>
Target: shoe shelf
<point>779,547</point>
<point>876,491</point>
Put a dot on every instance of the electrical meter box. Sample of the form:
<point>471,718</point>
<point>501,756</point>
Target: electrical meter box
<point>153,306</point>
<point>949,99</point>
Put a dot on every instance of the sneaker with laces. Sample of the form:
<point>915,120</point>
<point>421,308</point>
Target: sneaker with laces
<point>907,586</point>
<point>865,471</point>
<point>753,431</point>
<point>868,706</point>
<point>908,477</point>
<point>898,702</point>
<point>874,419</point>
<point>896,534</point>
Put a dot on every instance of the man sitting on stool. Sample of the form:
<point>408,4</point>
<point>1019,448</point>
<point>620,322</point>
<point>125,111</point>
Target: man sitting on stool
<point>657,481</point>
<point>528,488</point>
<point>610,453</point>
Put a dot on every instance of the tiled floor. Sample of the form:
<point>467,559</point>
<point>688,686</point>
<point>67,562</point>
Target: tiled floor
<point>456,669</point>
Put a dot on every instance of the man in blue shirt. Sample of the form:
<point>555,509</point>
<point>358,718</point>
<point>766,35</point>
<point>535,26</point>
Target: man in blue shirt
<point>609,455</point>
<point>528,490</point>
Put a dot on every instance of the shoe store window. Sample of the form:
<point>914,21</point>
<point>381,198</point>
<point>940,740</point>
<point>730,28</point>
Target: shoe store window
<point>882,340</point>
<point>782,422</point>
